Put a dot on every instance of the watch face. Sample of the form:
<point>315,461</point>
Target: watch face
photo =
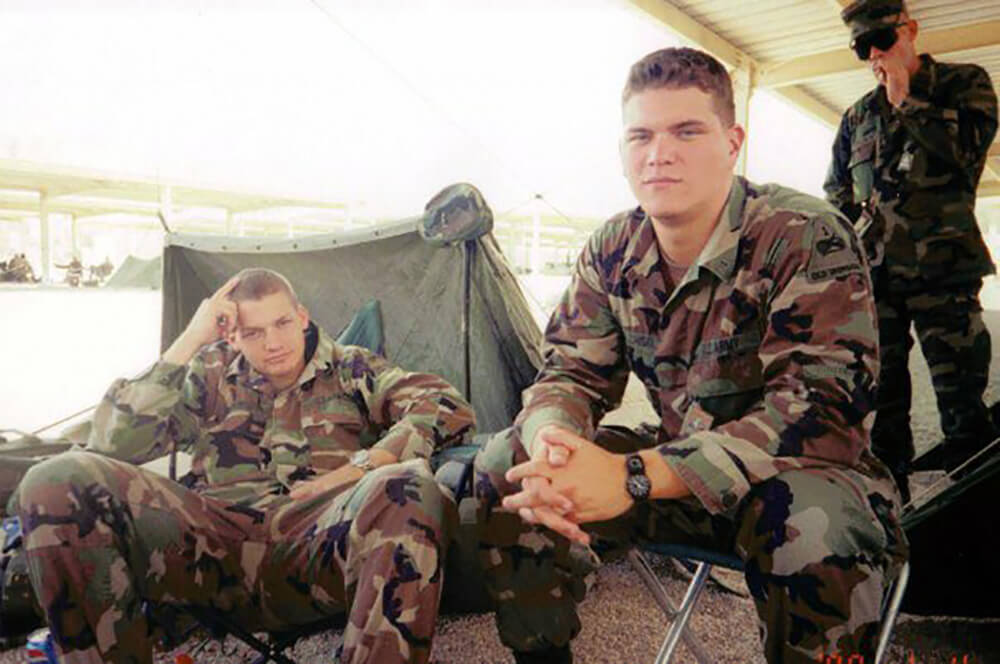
<point>638,487</point>
<point>362,459</point>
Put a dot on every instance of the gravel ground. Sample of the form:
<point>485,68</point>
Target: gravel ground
<point>621,622</point>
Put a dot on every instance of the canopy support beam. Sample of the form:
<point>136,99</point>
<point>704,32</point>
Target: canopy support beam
<point>74,236</point>
<point>744,84</point>
<point>45,233</point>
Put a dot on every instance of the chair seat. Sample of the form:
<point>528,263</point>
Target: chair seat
<point>696,554</point>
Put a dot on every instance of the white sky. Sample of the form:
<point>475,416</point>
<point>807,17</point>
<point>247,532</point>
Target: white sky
<point>384,102</point>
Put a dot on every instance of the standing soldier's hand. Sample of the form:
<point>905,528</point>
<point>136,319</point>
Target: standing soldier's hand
<point>215,319</point>
<point>892,73</point>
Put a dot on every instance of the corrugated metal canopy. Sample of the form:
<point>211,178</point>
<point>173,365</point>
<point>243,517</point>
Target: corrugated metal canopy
<point>92,194</point>
<point>798,48</point>
<point>87,192</point>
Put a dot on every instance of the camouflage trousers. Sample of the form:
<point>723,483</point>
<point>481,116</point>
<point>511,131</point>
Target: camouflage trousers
<point>949,324</point>
<point>103,537</point>
<point>818,554</point>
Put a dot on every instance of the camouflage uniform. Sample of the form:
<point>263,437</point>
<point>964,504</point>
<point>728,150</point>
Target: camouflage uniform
<point>761,364</point>
<point>102,535</point>
<point>909,177</point>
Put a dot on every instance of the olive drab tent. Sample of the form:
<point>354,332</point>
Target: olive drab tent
<point>425,289</point>
<point>137,273</point>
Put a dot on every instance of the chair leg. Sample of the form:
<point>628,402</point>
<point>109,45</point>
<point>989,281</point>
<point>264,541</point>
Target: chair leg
<point>656,589</point>
<point>898,588</point>
<point>272,655</point>
<point>666,604</point>
<point>218,622</point>
<point>677,628</point>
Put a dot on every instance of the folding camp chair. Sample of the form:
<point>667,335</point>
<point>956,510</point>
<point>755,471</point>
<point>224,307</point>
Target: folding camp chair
<point>705,560</point>
<point>269,648</point>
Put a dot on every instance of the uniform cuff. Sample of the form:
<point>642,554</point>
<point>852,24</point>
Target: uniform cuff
<point>707,470</point>
<point>167,374</point>
<point>543,417</point>
<point>405,444</point>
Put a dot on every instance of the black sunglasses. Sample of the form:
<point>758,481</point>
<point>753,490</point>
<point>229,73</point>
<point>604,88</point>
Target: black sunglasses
<point>883,39</point>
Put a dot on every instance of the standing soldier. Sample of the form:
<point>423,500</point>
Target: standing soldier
<point>312,493</point>
<point>74,271</point>
<point>906,164</point>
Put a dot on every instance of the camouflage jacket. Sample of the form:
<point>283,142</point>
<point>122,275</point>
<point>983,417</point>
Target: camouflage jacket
<point>249,442</point>
<point>912,173</point>
<point>762,359</point>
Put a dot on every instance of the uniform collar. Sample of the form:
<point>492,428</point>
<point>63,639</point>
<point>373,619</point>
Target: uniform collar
<point>318,353</point>
<point>927,64</point>
<point>925,78</point>
<point>718,256</point>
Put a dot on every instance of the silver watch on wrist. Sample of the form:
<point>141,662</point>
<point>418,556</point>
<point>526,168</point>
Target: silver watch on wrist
<point>363,460</point>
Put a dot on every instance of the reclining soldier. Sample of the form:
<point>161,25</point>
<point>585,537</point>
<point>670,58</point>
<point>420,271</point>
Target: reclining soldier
<point>310,492</point>
<point>747,313</point>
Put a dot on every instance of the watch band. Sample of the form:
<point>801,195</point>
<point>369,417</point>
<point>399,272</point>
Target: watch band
<point>637,483</point>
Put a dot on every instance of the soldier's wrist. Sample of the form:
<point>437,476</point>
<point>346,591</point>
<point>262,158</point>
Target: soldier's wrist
<point>182,350</point>
<point>381,457</point>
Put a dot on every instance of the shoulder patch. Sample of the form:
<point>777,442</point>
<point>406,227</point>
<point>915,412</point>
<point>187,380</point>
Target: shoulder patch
<point>831,254</point>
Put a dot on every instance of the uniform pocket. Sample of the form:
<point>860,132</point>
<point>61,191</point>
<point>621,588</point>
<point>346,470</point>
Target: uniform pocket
<point>725,385</point>
<point>333,437</point>
<point>862,167</point>
<point>640,350</point>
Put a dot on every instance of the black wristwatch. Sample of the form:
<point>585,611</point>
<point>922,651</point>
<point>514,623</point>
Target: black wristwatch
<point>637,482</point>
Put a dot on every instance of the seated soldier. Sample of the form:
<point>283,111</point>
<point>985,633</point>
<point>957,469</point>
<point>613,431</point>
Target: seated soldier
<point>310,492</point>
<point>747,313</point>
<point>20,269</point>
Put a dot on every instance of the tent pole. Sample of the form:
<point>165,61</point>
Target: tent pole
<point>470,250</point>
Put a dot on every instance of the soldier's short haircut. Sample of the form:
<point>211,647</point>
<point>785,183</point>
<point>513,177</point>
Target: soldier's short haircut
<point>254,283</point>
<point>684,68</point>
